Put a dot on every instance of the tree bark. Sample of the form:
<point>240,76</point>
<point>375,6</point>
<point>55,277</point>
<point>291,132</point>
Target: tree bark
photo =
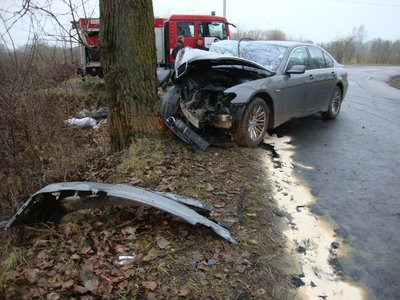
<point>128,58</point>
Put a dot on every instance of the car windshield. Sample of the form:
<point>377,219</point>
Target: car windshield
<point>263,53</point>
<point>213,29</point>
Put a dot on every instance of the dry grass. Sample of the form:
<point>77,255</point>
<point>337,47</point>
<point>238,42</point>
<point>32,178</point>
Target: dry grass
<point>39,149</point>
<point>251,270</point>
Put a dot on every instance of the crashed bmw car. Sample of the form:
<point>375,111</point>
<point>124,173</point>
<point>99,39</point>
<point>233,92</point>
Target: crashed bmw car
<point>247,87</point>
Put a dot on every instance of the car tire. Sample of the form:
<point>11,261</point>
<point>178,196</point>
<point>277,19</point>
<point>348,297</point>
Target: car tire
<point>334,104</point>
<point>252,124</point>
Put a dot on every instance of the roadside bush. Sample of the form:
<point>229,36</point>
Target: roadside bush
<point>35,145</point>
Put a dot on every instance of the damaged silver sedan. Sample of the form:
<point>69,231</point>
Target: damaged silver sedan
<point>243,88</point>
<point>55,200</point>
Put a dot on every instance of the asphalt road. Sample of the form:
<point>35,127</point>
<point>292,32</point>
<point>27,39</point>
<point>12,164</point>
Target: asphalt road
<point>356,176</point>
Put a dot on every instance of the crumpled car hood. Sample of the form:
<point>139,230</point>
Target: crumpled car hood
<point>189,56</point>
<point>55,200</point>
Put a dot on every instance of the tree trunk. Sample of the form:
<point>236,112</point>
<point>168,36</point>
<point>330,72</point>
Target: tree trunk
<point>128,58</point>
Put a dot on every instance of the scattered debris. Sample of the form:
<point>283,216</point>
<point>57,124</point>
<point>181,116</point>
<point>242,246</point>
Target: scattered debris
<point>126,259</point>
<point>89,118</point>
<point>55,200</point>
<point>185,133</point>
<point>101,113</point>
<point>211,262</point>
<point>193,264</point>
<point>82,122</point>
<point>99,236</point>
<point>98,114</point>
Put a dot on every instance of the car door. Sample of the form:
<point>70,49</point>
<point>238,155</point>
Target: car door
<point>296,89</point>
<point>321,66</point>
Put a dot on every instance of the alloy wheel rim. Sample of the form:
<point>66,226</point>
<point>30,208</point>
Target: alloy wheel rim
<point>336,101</point>
<point>257,122</point>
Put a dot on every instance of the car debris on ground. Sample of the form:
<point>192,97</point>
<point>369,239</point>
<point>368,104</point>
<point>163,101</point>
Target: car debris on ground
<point>53,201</point>
<point>82,122</point>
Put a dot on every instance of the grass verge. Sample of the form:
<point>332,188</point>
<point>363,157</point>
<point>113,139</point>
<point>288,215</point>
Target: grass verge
<point>173,259</point>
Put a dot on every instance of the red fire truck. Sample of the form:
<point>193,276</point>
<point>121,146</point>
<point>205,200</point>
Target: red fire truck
<point>208,28</point>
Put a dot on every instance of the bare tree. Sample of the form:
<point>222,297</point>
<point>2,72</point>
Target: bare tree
<point>256,34</point>
<point>395,52</point>
<point>128,57</point>
<point>276,35</point>
<point>360,35</point>
<point>127,47</point>
<point>381,51</point>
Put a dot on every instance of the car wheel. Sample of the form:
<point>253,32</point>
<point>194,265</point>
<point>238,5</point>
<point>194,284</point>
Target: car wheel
<point>252,124</point>
<point>334,105</point>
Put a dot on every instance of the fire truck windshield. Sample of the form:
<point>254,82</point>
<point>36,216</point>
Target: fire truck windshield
<point>213,29</point>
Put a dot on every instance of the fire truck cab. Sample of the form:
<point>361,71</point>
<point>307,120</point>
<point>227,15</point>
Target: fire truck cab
<point>208,28</point>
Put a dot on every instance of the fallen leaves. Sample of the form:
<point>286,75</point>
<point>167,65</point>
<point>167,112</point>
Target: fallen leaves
<point>31,275</point>
<point>68,284</point>
<point>162,243</point>
<point>149,285</point>
<point>91,284</point>
<point>184,291</point>
<point>173,259</point>
<point>151,255</point>
<point>80,289</point>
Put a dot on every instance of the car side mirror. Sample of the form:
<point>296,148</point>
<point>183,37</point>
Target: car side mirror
<point>296,69</point>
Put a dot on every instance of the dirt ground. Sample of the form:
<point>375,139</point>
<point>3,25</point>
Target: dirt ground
<point>78,258</point>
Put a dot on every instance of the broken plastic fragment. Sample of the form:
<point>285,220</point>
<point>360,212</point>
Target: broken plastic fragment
<point>55,200</point>
<point>126,259</point>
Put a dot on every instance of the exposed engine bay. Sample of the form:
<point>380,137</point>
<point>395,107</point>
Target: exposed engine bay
<point>203,100</point>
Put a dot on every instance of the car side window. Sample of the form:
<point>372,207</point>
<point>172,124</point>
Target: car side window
<point>328,61</point>
<point>185,28</point>
<point>317,58</point>
<point>298,57</point>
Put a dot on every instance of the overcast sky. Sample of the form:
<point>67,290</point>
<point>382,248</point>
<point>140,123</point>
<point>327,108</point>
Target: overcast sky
<point>315,20</point>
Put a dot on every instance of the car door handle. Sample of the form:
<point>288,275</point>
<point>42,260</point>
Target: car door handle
<point>333,74</point>
<point>311,76</point>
